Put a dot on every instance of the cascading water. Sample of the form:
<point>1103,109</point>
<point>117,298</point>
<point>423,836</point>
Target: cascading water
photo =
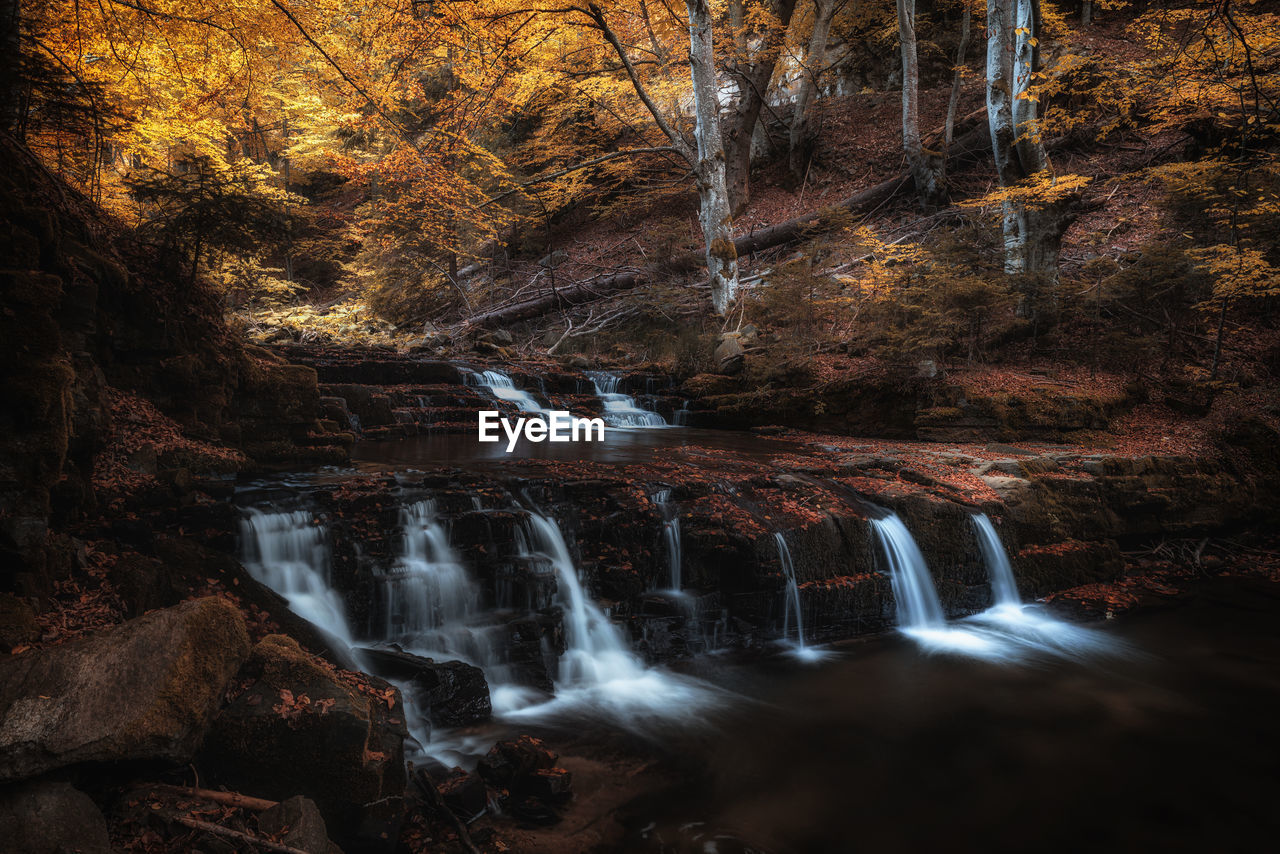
<point>598,672</point>
<point>1027,625</point>
<point>914,594</point>
<point>501,386</point>
<point>1004,587</point>
<point>919,609</point>
<point>670,537</point>
<point>288,552</point>
<point>427,588</point>
<point>793,591</point>
<point>620,410</point>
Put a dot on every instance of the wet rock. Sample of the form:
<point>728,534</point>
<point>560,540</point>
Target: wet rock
<point>297,822</point>
<point>51,818</point>
<point>301,728</point>
<point>464,794</point>
<point>454,693</point>
<point>508,761</point>
<point>531,786</point>
<point>145,690</point>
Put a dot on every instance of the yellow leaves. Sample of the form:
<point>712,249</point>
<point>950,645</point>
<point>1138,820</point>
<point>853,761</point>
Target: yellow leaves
<point>1237,272</point>
<point>1039,191</point>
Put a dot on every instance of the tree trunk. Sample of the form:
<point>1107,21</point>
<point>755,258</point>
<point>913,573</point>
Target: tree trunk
<point>714,209</point>
<point>752,75</point>
<point>974,145</point>
<point>957,78</point>
<point>926,166</point>
<point>1086,13</point>
<point>10,66</point>
<point>814,59</point>
<point>1032,234</point>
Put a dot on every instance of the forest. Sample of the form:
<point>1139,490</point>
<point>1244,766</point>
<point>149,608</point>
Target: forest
<point>935,352</point>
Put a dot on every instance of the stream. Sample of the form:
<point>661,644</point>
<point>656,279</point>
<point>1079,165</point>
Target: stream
<point>1004,717</point>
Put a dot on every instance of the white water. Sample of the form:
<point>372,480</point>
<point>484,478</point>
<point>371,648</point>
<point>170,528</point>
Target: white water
<point>797,648</point>
<point>1008,631</point>
<point>913,592</point>
<point>620,410</point>
<point>670,538</point>
<point>1028,624</point>
<point>1004,587</point>
<point>288,553</point>
<point>598,673</point>
<point>427,588</point>
<point>793,591</point>
<point>501,387</point>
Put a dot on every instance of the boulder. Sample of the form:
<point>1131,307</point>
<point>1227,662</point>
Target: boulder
<point>530,786</point>
<point>297,823</point>
<point>300,727</point>
<point>509,761</point>
<point>51,818</point>
<point>452,692</point>
<point>730,354</point>
<point>145,690</point>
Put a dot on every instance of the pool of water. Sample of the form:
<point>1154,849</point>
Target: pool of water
<point>886,748</point>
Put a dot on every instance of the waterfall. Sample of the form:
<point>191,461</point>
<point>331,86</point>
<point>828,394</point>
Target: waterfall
<point>670,537</point>
<point>1029,626</point>
<point>598,671</point>
<point>913,591</point>
<point>793,591</point>
<point>1004,587</point>
<point>620,410</point>
<point>288,553</point>
<point>428,587</point>
<point>501,387</point>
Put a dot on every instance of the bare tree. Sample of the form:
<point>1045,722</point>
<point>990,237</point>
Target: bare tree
<point>815,59</point>
<point>751,70</point>
<point>706,156</point>
<point>1032,232</point>
<point>927,167</point>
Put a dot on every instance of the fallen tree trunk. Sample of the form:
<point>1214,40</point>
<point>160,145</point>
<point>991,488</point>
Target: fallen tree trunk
<point>974,142</point>
<point>565,297</point>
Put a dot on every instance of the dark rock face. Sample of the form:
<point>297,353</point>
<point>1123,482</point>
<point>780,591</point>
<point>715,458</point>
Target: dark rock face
<point>145,690</point>
<point>452,692</point>
<point>51,818</point>
<point>298,727</point>
<point>83,313</point>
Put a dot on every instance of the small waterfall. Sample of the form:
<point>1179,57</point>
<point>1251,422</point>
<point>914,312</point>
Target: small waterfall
<point>428,587</point>
<point>288,553</point>
<point>793,591</point>
<point>913,591</point>
<point>1004,587</point>
<point>620,410</point>
<point>501,387</point>
<point>670,537</point>
<point>595,650</point>
<point>598,672</point>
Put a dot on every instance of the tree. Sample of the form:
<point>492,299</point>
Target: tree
<point>706,157</point>
<point>755,56</point>
<point>815,58</point>
<point>927,167</point>
<point>1032,228</point>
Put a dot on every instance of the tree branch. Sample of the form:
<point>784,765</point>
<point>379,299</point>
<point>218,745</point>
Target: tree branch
<point>586,164</point>
<point>678,141</point>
